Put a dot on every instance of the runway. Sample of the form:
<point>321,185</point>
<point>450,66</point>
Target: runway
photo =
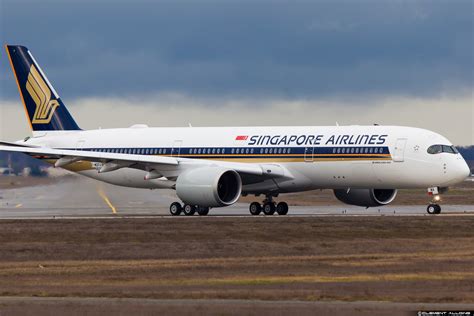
<point>80,241</point>
<point>83,198</point>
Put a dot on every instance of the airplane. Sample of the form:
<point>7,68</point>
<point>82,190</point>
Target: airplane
<point>211,167</point>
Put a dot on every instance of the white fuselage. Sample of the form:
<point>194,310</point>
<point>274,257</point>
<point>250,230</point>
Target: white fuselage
<point>329,157</point>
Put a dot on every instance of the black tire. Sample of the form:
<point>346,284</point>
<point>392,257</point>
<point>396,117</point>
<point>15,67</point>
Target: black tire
<point>431,209</point>
<point>269,208</point>
<point>282,208</point>
<point>437,209</point>
<point>189,210</point>
<point>202,210</point>
<point>255,208</point>
<point>175,209</point>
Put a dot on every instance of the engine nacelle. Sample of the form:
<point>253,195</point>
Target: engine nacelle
<point>209,186</point>
<point>366,197</point>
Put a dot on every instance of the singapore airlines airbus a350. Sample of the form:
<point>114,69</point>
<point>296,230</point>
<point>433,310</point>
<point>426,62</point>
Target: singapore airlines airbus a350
<point>213,166</point>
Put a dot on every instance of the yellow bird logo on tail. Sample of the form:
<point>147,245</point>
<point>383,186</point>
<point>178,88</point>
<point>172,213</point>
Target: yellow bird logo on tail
<point>41,94</point>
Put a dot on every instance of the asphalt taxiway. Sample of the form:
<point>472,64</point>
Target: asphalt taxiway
<point>81,198</point>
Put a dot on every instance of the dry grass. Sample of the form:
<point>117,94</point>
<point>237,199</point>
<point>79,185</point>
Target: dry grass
<point>418,259</point>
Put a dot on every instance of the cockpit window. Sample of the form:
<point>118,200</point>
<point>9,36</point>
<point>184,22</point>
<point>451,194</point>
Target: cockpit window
<point>437,149</point>
<point>448,149</point>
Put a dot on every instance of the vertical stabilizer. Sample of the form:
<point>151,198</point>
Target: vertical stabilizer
<point>44,109</point>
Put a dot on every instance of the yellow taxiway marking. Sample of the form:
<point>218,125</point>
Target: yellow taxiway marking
<point>106,200</point>
<point>18,205</point>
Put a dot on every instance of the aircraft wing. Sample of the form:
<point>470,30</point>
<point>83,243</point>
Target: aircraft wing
<point>170,167</point>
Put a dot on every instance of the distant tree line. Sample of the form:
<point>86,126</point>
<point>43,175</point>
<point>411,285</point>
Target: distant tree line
<point>467,152</point>
<point>18,162</point>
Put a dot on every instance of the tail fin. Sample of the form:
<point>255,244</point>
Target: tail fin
<point>44,108</point>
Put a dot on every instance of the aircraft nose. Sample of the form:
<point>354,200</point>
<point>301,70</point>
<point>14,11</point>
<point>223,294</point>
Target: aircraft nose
<point>462,170</point>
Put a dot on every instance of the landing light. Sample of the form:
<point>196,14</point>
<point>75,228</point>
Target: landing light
<point>436,198</point>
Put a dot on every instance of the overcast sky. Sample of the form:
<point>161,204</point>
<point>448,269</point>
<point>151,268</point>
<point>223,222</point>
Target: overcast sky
<point>248,62</point>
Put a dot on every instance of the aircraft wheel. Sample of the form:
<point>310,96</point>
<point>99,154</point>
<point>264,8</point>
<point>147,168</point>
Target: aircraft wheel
<point>175,208</point>
<point>202,210</point>
<point>255,208</point>
<point>269,208</point>
<point>282,208</point>
<point>189,210</point>
<point>433,209</point>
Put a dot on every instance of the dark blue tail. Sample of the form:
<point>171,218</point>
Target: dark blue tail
<point>44,108</point>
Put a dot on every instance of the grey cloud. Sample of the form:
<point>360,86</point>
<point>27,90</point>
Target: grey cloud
<point>245,48</point>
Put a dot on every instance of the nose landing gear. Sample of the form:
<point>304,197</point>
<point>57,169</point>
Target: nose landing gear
<point>434,207</point>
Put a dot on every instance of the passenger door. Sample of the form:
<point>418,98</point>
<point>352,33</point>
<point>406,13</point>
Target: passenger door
<point>176,148</point>
<point>399,150</point>
<point>80,144</point>
<point>308,154</point>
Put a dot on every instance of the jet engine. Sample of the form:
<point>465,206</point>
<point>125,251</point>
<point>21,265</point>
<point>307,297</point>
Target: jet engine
<point>209,186</point>
<point>366,197</point>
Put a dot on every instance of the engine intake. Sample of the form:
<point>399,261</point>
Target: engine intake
<point>209,186</point>
<point>366,197</point>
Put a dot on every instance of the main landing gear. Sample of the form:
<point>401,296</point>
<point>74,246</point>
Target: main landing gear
<point>189,210</point>
<point>269,207</point>
<point>434,207</point>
